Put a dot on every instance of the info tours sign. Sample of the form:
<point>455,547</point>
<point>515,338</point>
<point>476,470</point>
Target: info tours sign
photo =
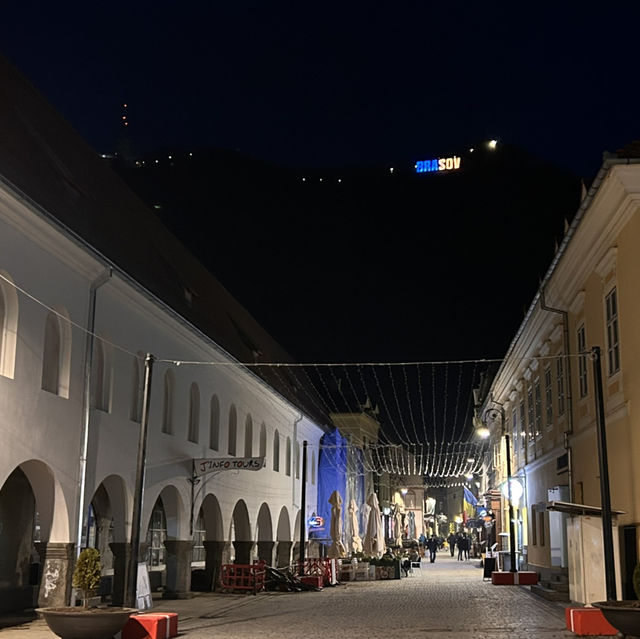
<point>221,464</point>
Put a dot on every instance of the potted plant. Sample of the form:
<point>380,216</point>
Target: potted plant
<point>86,576</point>
<point>86,622</point>
<point>624,615</point>
<point>387,566</point>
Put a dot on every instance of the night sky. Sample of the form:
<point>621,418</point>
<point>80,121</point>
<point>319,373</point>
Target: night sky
<point>302,85</point>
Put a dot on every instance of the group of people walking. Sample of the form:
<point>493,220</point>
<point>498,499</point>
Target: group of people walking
<point>462,542</point>
<point>432,544</point>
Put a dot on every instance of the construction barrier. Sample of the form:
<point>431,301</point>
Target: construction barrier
<point>243,577</point>
<point>320,566</point>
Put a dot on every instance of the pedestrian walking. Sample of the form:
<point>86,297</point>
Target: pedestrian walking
<point>451,540</point>
<point>463,547</point>
<point>432,545</point>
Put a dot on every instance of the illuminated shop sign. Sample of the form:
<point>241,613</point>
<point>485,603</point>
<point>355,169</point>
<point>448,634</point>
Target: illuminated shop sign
<point>316,522</point>
<point>439,164</point>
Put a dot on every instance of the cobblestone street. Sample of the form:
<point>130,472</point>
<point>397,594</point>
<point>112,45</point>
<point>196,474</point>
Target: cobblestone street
<point>445,599</point>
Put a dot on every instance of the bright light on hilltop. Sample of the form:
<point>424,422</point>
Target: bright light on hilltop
<point>493,144</point>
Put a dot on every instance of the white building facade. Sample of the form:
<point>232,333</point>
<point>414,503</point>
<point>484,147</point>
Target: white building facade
<point>90,283</point>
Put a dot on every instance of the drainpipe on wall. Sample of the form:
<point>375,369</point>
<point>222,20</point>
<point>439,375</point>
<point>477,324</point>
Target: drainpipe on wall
<point>86,401</point>
<point>569,396</point>
<point>296,421</point>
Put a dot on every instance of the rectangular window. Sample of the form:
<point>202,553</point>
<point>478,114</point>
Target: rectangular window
<point>497,456</point>
<point>523,425</point>
<point>534,532</point>
<point>541,527</point>
<point>582,361</point>
<point>548,396</point>
<point>531,414</point>
<point>538,407</point>
<point>560,384</point>
<point>613,349</point>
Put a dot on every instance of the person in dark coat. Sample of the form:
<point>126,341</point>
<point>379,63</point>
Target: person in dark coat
<point>432,545</point>
<point>451,540</point>
<point>463,547</point>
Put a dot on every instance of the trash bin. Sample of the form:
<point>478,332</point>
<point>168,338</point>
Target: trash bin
<point>489,567</point>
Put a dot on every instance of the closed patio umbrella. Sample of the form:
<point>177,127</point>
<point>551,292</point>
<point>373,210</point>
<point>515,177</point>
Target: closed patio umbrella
<point>337,549</point>
<point>356,541</point>
<point>373,544</point>
<point>412,525</point>
<point>397,527</point>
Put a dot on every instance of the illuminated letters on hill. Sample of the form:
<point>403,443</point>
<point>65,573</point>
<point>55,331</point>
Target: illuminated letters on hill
<point>439,164</point>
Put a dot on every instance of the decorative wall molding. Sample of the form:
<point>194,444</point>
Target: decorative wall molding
<point>608,263</point>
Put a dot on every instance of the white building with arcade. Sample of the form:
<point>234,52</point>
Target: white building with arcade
<point>91,284</point>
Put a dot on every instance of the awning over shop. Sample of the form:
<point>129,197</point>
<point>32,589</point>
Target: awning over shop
<point>579,509</point>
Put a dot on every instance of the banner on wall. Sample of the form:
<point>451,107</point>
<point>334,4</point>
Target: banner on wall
<point>204,466</point>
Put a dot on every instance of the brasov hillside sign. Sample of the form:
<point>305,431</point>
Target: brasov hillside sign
<point>439,164</point>
<point>204,466</point>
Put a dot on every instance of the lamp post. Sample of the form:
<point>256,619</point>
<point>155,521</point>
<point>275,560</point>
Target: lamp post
<point>512,528</point>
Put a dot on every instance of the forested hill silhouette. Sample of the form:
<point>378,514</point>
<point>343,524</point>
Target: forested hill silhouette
<point>369,262</point>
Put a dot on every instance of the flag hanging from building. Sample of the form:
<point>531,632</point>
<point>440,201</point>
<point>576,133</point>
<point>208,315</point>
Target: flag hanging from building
<point>469,503</point>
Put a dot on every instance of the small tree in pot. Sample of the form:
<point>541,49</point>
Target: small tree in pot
<point>75,622</point>
<point>86,576</point>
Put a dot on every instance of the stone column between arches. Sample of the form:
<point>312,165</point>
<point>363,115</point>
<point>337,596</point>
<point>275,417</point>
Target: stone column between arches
<point>266,551</point>
<point>213,562</point>
<point>283,554</point>
<point>178,563</point>
<point>57,575</point>
<point>121,558</point>
<point>243,551</point>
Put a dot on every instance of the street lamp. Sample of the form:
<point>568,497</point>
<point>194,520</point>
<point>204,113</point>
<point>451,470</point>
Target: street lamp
<point>493,412</point>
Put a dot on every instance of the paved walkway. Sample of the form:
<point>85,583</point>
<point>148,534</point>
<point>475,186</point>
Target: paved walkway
<point>446,599</point>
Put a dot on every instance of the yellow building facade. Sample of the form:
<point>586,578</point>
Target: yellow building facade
<point>542,400</point>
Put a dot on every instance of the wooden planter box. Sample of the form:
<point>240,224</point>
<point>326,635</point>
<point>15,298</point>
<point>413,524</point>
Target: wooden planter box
<point>388,572</point>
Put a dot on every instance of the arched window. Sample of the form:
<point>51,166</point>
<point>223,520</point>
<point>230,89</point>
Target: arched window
<point>167,403</point>
<point>137,388</point>
<point>297,459</point>
<point>276,451</point>
<point>56,356</point>
<point>233,430</point>
<point>287,467</point>
<point>262,451</point>
<point>156,535</point>
<point>214,424</point>
<point>194,413</point>
<point>248,437</point>
<point>8,326</point>
<point>101,375</point>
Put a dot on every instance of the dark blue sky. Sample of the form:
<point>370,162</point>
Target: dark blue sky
<point>333,84</point>
<point>337,83</point>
